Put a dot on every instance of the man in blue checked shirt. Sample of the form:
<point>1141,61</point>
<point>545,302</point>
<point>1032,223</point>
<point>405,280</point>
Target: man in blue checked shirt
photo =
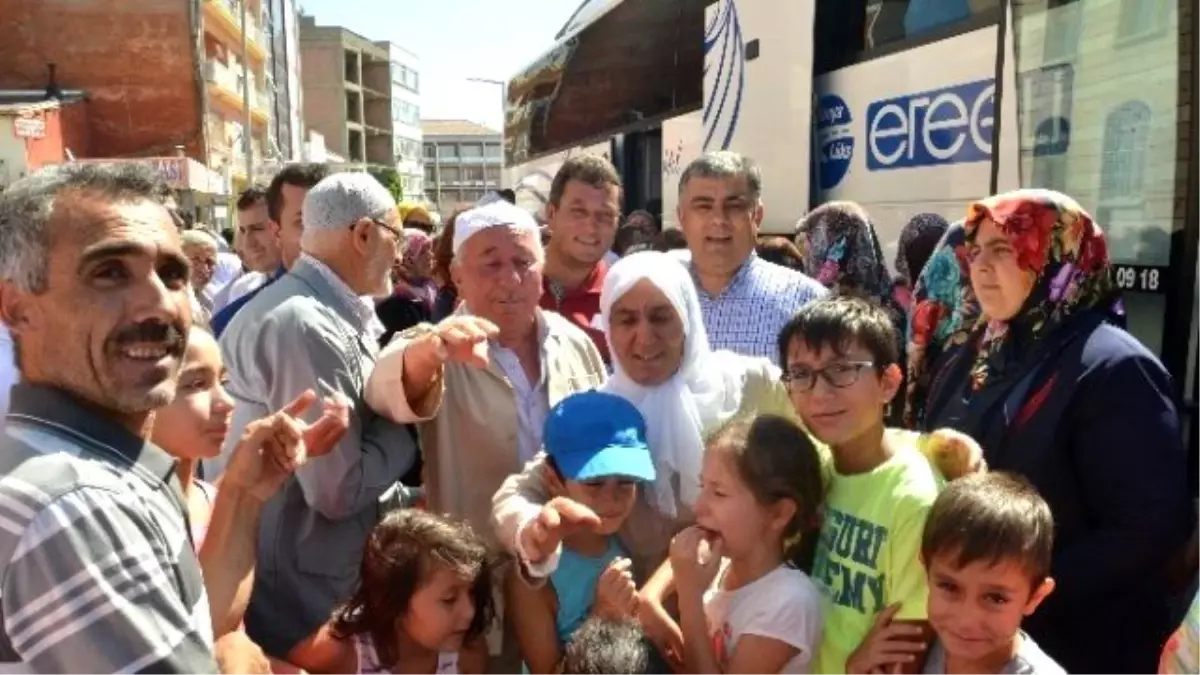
<point>744,299</point>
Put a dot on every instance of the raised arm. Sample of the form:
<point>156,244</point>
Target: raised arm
<point>406,384</point>
<point>374,452</point>
<point>531,523</point>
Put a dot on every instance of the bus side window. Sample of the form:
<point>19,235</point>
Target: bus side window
<point>839,32</point>
<point>885,22</point>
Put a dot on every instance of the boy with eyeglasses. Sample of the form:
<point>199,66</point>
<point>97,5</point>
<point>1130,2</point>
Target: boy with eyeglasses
<point>841,372</point>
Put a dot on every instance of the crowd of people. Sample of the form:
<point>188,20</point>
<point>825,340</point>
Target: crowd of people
<point>576,442</point>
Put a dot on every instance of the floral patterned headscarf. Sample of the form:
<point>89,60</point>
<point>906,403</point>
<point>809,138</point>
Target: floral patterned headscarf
<point>842,252</point>
<point>1056,243</point>
<point>417,244</point>
<point>420,287</point>
<point>942,303</point>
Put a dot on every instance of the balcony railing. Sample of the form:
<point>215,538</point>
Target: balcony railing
<point>229,15</point>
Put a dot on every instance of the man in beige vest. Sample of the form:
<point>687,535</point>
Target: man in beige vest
<point>480,383</point>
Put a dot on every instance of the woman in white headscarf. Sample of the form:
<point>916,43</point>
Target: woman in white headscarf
<point>663,364</point>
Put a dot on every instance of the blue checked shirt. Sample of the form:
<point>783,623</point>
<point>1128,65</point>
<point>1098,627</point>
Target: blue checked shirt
<point>747,316</point>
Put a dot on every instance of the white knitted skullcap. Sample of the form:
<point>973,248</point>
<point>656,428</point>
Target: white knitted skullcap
<point>495,214</point>
<point>342,199</point>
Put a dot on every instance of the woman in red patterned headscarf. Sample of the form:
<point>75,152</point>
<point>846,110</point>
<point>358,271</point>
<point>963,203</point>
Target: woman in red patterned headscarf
<point>1038,371</point>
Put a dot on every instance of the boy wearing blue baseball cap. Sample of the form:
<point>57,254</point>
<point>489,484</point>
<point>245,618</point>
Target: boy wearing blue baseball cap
<point>596,444</point>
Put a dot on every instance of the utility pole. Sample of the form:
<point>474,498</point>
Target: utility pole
<point>248,132</point>
<point>503,122</point>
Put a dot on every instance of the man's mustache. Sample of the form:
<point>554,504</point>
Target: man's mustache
<point>153,331</point>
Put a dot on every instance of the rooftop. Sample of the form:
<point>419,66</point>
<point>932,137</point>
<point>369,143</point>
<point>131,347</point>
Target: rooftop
<point>455,128</point>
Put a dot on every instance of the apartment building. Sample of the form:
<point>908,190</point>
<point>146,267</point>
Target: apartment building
<point>462,162</point>
<point>282,30</point>
<point>406,119</point>
<point>158,76</point>
<point>364,98</point>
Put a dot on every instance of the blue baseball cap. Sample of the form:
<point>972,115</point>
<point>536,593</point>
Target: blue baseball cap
<point>596,435</point>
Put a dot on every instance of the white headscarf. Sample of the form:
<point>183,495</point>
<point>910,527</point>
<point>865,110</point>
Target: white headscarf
<point>704,393</point>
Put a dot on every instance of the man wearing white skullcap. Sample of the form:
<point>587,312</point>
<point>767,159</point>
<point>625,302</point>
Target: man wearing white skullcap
<point>314,329</point>
<point>481,382</point>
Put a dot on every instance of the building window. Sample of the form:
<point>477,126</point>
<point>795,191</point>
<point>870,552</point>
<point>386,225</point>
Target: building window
<point>1143,18</point>
<point>430,151</point>
<point>1064,26</point>
<point>1085,134</point>
<point>430,174</point>
<point>492,150</point>
<point>449,174</point>
<point>471,151</point>
<point>473,174</point>
<point>447,151</point>
<point>1123,162</point>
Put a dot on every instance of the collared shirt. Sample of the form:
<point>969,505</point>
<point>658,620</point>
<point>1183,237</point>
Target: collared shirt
<point>9,375</point>
<point>361,306</point>
<point>97,564</point>
<point>223,316</point>
<point>237,288</point>
<point>533,403</point>
<point>760,299</point>
<point>580,305</point>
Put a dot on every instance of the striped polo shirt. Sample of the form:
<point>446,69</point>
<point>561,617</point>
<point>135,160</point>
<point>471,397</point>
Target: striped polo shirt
<point>97,571</point>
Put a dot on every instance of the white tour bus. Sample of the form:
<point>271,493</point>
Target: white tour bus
<point>904,106</point>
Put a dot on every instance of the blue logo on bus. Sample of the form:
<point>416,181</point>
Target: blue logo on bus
<point>932,128</point>
<point>835,140</point>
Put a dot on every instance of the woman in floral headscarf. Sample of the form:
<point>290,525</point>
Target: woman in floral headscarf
<point>918,240</point>
<point>414,272</point>
<point>1033,367</point>
<point>842,252</point>
<point>942,302</point>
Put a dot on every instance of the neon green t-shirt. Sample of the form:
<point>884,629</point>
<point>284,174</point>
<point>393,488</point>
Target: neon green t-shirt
<point>868,557</point>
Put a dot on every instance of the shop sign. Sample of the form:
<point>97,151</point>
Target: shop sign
<point>29,127</point>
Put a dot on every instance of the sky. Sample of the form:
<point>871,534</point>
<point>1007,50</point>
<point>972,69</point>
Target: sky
<point>455,40</point>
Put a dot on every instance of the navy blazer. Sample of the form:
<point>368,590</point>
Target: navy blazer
<point>1094,425</point>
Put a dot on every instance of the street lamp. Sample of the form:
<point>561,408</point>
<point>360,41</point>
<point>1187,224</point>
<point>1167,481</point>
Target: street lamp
<point>503,116</point>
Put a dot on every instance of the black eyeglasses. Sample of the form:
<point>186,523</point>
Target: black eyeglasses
<point>838,375</point>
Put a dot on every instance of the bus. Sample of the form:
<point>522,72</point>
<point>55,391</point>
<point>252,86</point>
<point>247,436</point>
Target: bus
<point>904,106</point>
<point>617,71</point>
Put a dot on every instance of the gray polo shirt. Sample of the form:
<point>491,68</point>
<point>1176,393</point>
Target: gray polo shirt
<point>97,569</point>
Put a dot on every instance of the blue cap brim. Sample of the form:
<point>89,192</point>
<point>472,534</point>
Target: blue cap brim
<point>628,461</point>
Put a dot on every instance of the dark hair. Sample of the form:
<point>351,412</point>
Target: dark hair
<point>777,460</point>
<point>507,195</point>
<point>991,517</point>
<point>631,235</point>
<point>27,205</point>
<point>296,175</point>
<point>250,197</point>
<point>670,239</point>
<point>443,251</point>
<point>592,170</point>
<point>606,646</point>
<point>781,251</point>
<point>838,323</point>
<point>401,553</point>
